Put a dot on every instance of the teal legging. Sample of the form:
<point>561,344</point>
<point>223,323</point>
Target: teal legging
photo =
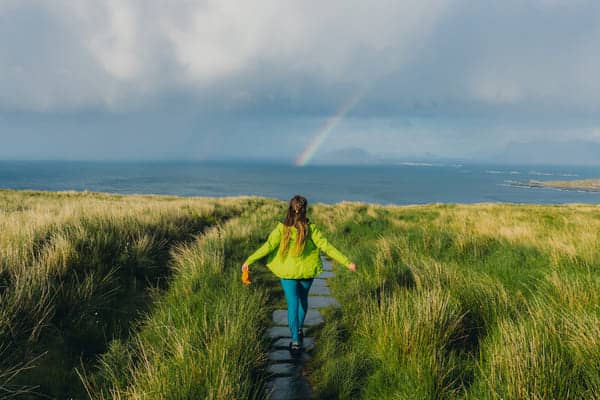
<point>296,295</point>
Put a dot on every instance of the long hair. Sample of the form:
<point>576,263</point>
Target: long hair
<point>296,217</point>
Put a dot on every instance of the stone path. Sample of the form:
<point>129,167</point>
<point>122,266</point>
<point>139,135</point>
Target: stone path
<point>287,379</point>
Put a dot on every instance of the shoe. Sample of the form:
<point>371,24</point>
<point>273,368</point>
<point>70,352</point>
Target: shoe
<point>295,348</point>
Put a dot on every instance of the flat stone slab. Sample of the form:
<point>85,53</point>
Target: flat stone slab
<point>319,291</point>
<point>284,369</point>
<point>284,356</point>
<point>327,266</point>
<point>318,282</point>
<point>276,332</point>
<point>308,343</point>
<point>326,274</point>
<point>288,388</point>
<point>313,317</point>
<point>322,302</point>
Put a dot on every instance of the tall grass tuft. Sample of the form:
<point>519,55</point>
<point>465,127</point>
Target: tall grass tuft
<point>204,337</point>
<point>544,356</point>
<point>478,302</point>
<point>77,270</point>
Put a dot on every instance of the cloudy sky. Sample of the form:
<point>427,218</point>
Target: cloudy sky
<point>149,79</point>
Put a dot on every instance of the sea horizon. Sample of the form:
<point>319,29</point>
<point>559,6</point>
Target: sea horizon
<point>403,183</point>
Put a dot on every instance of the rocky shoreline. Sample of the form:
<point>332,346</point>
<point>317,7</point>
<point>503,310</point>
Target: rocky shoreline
<point>586,185</point>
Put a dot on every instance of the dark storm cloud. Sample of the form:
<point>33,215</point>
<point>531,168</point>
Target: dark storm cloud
<point>457,69</point>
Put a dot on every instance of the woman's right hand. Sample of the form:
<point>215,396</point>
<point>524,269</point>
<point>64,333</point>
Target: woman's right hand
<point>352,267</point>
<point>245,267</point>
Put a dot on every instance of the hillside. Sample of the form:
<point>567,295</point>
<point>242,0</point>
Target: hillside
<point>107,296</point>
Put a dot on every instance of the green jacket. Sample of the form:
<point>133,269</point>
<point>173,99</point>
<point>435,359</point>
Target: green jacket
<point>306,265</point>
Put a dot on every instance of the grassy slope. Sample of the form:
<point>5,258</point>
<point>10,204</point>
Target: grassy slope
<point>477,302</point>
<point>204,339</point>
<point>77,270</point>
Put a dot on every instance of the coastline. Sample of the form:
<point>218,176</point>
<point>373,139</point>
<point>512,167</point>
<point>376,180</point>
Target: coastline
<point>585,185</point>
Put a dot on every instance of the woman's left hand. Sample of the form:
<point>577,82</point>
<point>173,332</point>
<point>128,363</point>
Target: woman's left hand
<point>352,267</point>
<point>245,267</point>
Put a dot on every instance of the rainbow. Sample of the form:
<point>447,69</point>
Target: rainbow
<point>325,130</point>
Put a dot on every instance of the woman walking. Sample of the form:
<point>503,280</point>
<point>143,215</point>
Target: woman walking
<point>293,250</point>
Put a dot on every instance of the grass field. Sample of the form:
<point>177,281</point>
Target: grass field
<point>106,296</point>
<point>86,280</point>
<point>471,302</point>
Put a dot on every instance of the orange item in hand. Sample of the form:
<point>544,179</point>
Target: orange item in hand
<point>246,277</point>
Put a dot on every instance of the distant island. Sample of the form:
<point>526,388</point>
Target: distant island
<point>588,185</point>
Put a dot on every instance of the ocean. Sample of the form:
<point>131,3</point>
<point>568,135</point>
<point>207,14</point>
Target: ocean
<point>408,183</point>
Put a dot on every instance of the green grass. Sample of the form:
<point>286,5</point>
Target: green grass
<point>106,296</point>
<point>204,338</point>
<point>78,273</point>
<point>471,302</point>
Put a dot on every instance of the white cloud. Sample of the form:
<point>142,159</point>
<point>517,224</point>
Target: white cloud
<point>115,45</point>
<point>117,54</point>
<point>119,50</point>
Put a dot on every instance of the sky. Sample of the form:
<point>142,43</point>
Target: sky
<point>292,80</point>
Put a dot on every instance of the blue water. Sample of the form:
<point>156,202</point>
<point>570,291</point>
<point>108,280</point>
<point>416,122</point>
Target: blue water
<point>400,184</point>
